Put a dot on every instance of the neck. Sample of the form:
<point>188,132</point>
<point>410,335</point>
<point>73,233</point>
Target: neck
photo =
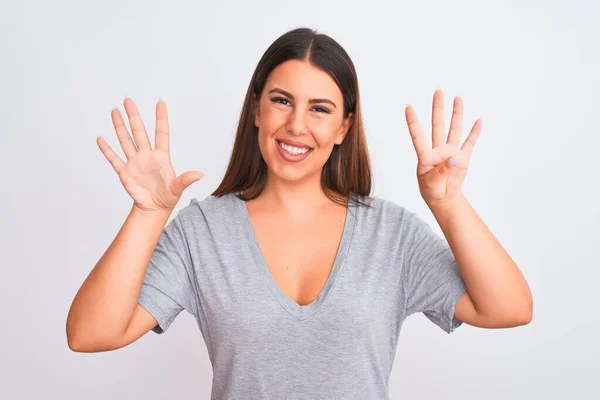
<point>303,196</point>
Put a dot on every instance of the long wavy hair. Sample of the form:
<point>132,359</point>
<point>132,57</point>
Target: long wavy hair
<point>347,172</point>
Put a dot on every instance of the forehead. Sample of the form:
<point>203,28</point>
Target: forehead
<point>303,80</point>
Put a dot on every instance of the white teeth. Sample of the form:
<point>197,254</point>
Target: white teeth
<point>291,149</point>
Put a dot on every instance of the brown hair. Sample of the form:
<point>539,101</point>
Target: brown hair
<point>347,172</point>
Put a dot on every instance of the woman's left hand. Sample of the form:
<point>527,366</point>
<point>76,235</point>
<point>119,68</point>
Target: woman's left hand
<point>442,168</point>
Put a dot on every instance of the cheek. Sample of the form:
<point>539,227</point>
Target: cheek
<point>271,117</point>
<point>325,132</point>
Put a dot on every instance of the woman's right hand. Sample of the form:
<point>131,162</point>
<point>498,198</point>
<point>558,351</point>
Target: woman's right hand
<point>148,175</point>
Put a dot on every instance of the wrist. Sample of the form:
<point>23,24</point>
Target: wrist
<point>161,213</point>
<point>446,203</point>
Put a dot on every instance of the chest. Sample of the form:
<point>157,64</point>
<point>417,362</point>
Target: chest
<point>300,254</point>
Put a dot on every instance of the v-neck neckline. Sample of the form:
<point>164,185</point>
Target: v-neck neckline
<point>298,311</point>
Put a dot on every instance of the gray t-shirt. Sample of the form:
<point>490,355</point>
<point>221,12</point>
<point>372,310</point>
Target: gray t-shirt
<point>262,344</point>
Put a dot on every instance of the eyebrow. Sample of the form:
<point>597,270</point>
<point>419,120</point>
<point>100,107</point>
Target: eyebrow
<point>311,101</point>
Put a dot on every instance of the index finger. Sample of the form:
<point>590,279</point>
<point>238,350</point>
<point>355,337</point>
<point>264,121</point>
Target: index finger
<point>416,133</point>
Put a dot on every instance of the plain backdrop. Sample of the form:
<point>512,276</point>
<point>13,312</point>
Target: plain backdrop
<point>530,71</point>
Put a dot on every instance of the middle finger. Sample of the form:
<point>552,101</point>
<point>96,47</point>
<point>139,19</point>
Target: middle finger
<point>437,119</point>
<point>456,122</point>
<point>137,125</point>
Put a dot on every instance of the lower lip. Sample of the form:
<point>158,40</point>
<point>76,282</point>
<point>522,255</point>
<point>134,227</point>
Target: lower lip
<point>291,157</point>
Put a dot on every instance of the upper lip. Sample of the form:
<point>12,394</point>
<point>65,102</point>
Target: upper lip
<point>290,142</point>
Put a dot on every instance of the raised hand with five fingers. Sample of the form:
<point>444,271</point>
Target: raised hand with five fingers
<point>442,169</point>
<point>148,176</point>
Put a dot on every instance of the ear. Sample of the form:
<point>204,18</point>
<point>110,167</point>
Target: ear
<point>255,109</point>
<point>346,124</point>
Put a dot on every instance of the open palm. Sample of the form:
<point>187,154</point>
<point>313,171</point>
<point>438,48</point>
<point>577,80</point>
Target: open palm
<point>442,168</point>
<point>148,176</point>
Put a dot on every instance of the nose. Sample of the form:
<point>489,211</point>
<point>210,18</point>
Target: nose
<point>296,123</point>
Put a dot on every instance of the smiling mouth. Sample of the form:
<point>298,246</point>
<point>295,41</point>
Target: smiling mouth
<point>293,151</point>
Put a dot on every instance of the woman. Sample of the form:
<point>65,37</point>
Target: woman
<point>299,279</point>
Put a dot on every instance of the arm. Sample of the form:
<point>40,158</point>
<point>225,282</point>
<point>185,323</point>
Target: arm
<point>104,314</point>
<point>498,295</point>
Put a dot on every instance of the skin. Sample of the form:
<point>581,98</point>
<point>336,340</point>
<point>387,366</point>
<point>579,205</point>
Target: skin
<point>293,212</point>
<point>105,314</point>
<point>295,187</point>
<point>498,295</point>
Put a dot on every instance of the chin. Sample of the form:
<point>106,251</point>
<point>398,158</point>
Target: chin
<point>286,173</point>
<point>282,171</point>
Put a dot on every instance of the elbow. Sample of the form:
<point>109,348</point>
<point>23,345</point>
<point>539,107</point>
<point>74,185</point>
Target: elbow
<point>527,307</point>
<point>526,312</point>
<point>78,345</point>
<point>73,334</point>
<point>89,342</point>
<point>78,340</point>
<point>526,319</point>
<point>509,317</point>
<point>90,339</point>
<point>74,341</point>
<point>74,345</point>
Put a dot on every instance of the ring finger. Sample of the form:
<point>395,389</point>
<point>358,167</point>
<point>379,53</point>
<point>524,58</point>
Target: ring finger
<point>123,134</point>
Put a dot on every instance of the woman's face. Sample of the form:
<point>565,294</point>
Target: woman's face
<point>302,104</point>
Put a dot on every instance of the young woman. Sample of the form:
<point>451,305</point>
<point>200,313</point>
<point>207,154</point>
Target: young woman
<point>299,279</point>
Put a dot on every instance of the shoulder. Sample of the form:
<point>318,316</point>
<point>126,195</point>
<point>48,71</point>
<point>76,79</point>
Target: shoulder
<point>384,209</point>
<point>208,208</point>
<point>390,217</point>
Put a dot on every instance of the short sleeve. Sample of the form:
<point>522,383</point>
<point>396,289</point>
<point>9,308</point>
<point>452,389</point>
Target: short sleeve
<point>167,288</point>
<point>432,280</point>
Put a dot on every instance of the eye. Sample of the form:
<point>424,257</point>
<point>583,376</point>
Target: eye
<point>285,102</point>
<point>324,110</point>
<point>279,100</point>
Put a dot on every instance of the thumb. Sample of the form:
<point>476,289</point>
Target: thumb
<point>449,165</point>
<point>184,180</point>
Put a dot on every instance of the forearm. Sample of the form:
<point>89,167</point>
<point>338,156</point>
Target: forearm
<point>108,297</point>
<point>494,282</point>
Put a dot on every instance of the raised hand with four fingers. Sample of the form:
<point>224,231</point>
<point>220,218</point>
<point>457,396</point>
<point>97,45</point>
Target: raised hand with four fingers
<point>442,168</point>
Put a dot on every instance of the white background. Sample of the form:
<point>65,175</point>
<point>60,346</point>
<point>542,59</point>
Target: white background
<point>530,71</point>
